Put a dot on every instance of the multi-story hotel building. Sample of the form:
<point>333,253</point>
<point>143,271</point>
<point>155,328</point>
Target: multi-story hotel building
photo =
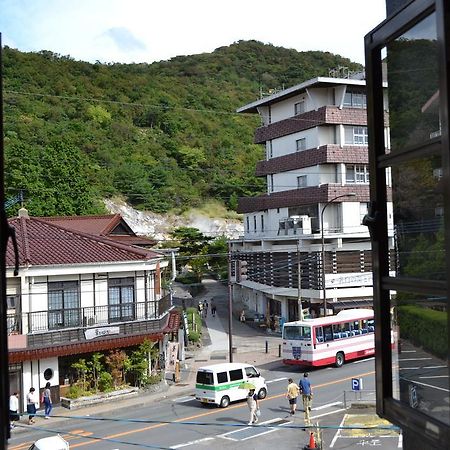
<point>308,225</point>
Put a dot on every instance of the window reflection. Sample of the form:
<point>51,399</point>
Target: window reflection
<point>418,220</point>
<point>420,370</point>
<point>413,80</point>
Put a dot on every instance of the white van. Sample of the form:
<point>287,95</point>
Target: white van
<point>50,443</point>
<point>219,384</point>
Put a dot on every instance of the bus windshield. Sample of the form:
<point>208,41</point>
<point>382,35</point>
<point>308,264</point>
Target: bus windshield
<point>297,332</point>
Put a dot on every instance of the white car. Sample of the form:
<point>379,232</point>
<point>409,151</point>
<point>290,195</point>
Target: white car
<point>50,443</point>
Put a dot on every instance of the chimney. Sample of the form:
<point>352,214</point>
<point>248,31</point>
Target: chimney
<point>23,212</point>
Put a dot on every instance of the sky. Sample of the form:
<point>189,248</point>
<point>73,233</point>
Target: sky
<point>138,31</point>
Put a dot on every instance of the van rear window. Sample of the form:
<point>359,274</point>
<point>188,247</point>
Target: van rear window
<point>205,377</point>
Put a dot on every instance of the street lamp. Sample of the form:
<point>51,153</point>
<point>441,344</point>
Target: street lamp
<point>350,194</point>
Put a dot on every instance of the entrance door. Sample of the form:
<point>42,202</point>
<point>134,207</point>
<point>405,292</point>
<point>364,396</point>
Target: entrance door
<point>293,310</point>
<point>15,382</point>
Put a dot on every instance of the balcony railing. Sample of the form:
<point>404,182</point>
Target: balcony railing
<point>58,319</point>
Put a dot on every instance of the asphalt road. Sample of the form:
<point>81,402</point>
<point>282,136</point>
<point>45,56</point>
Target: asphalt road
<point>185,423</point>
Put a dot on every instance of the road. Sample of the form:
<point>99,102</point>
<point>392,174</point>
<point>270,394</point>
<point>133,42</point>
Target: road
<point>184,423</point>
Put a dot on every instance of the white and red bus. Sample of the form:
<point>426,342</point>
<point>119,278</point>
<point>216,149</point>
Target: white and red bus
<point>350,334</point>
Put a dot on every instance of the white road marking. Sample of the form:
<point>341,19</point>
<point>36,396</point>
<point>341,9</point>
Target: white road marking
<point>414,359</point>
<point>400,441</point>
<point>276,379</point>
<point>410,368</point>
<point>328,413</point>
<point>435,376</point>
<point>435,367</point>
<point>198,441</point>
<point>363,360</point>
<point>408,351</point>
<point>338,432</point>
<point>326,406</point>
<point>263,430</point>
<point>429,385</point>
<point>183,399</point>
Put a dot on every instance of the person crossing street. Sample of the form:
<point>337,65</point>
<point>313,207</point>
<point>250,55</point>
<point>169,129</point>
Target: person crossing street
<point>306,391</point>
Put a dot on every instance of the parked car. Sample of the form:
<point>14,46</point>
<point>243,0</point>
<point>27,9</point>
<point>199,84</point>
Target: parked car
<point>253,316</point>
<point>50,443</point>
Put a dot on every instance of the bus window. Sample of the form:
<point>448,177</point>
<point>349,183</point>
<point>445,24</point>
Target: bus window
<point>354,326</point>
<point>297,332</point>
<point>328,333</point>
<point>371,325</point>
<point>319,334</point>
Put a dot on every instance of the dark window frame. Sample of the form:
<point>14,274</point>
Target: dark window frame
<point>433,432</point>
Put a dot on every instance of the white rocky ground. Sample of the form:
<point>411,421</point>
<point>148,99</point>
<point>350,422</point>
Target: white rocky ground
<point>158,226</point>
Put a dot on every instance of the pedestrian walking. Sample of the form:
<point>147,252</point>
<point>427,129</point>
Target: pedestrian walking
<point>205,308</point>
<point>253,406</point>
<point>32,405</point>
<point>13,409</point>
<point>306,391</point>
<point>47,397</point>
<point>292,395</point>
<point>213,309</point>
<point>199,308</point>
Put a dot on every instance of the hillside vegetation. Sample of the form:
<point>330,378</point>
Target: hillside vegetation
<point>162,136</point>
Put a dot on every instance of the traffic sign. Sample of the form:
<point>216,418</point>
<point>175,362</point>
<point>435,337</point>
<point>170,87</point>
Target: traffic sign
<point>357,384</point>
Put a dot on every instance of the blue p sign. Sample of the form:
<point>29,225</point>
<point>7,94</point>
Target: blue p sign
<point>356,384</point>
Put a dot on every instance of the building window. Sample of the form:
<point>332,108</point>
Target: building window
<point>63,304</point>
<point>254,224</point>
<point>270,183</point>
<point>121,299</point>
<point>356,136</point>
<point>269,149</point>
<point>356,174</point>
<point>262,222</point>
<point>248,223</point>
<point>302,181</point>
<point>299,108</point>
<point>355,99</point>
<point>300,144</point>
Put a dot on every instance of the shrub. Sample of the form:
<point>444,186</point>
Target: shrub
<point>154,379</point>
<point>76,391</point>
<point>187,278</point>
<point>424,327</point>
<point>194,336</point>
<point>105,382</point>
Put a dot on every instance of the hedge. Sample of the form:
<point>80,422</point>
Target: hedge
<point>424,327</point>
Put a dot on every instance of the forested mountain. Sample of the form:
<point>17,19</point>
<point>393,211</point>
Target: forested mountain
<point>163,136</point>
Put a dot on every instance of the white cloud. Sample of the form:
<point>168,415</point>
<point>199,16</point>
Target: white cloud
<point>145,31</point>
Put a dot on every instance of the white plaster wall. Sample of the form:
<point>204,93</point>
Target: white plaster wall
<point>351,219</point>
<point>49,363</point>
<point>326,135</point>
<point>327,174</point>
<point>285,108</point>
<point>321,97</point>
<point>87,292</point>
<point>286,145</point>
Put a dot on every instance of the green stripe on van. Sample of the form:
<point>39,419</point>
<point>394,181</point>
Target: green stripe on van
<point>221,387</point>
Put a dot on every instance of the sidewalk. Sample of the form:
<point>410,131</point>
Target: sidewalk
<point>249,344</point>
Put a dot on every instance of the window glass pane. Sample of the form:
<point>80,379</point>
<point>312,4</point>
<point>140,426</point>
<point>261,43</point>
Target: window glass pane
<point>236,375</point>
<point>419,356</point>
<point>418,232</point>
<point>222,377</point>
<point>413,73</point>
<point>297,332</point>
<point>205,378</point>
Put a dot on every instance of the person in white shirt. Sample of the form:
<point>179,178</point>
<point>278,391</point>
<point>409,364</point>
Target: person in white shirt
<point>14,409</point>
<point>32,405</point>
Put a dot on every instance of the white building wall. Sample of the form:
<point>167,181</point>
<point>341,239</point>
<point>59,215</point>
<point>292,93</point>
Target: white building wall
<point>285,108</point>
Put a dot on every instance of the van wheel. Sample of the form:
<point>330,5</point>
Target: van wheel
<point>340,359</point>
<point>224,402</point>
<point>262,393</point>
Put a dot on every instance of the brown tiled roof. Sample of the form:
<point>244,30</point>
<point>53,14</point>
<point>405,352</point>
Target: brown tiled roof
<point>41,242</point>
<point>102,225</point>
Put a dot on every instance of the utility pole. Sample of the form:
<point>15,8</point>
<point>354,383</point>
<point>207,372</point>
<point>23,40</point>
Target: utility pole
<point>230,307</point>
<point>299,281</point>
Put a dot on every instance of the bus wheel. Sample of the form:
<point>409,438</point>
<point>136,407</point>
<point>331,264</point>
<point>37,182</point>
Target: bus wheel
<point>340,358</point>
<point>262,393</point>
<point>224,402</point>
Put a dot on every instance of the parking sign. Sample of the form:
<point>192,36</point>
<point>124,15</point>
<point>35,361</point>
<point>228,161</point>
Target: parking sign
<point>357,384</point>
